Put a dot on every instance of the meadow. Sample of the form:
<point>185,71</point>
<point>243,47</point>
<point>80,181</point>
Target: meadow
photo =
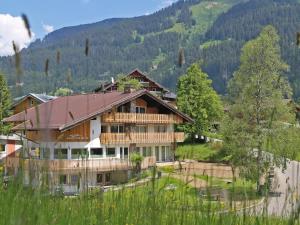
<point>161,201</point>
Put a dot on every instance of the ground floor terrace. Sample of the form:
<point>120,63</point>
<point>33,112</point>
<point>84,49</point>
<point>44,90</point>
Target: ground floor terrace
<point>72,176</point>
<point>76,166</point>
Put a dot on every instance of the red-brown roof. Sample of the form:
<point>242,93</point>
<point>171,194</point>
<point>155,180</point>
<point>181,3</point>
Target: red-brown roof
<point>66,112</point>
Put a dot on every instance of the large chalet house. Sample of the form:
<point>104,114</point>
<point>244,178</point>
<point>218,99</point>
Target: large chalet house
<point>146,83</point>
<point>86,140</point>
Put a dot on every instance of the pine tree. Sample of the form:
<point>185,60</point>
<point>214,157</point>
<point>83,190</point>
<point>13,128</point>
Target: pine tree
<point>5,104</point>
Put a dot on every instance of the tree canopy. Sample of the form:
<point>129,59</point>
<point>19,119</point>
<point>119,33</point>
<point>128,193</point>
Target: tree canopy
<point>197,98</point>
<point>124,81</point>
<point>258,112</point>
<point>5,104</point>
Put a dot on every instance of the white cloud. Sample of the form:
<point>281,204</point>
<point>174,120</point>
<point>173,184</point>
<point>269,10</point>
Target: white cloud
<point>12,29</point>
<point>165,3</point>
<point>47,28</point>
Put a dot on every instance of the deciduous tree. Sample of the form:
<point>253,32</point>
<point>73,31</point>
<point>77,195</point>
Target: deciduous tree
<point>197,98</point>
<point>258,111</point>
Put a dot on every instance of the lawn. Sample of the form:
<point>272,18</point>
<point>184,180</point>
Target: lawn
<point>241,190</point>
<point>199,152</point>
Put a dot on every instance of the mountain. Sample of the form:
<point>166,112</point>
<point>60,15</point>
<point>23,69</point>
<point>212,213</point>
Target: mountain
<point>210,31</point>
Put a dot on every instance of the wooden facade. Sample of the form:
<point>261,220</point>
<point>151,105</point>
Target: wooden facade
<point>80,133</point>
<point>25,104</point>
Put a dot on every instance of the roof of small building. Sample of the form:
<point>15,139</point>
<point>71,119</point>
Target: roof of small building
<point>167,91</point>
<point>40,97</point>
<point>66,112</point>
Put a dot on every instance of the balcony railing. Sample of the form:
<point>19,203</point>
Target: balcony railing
<point>141,138</point>
<point>108,164</point>
<point>140,118</point>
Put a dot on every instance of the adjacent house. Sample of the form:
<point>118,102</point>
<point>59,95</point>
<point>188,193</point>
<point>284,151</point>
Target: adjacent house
<point>86,140</point>
<point>11,144</point>
<point>147,83</point>
<point>27,101</point>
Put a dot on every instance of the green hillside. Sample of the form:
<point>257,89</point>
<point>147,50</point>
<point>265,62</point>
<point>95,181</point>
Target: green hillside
<point>150,43</point>
<point>210,31</point>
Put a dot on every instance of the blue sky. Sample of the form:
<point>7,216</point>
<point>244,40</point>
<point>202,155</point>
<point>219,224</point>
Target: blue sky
<point>45,15</point>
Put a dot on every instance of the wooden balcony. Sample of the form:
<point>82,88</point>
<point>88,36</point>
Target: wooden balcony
<point>141,118</point>
<point>106,164</point>
<point>141,138</point>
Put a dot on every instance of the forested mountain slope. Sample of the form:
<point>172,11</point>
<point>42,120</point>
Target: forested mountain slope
<point>210,31</point>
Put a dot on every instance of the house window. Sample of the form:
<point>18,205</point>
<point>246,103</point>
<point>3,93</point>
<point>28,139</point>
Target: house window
<point>141,129</point>
<point>99,178</point>
<point>74,179</point>
<point>160,129</point>
<point>63,179</point>
<point>103,129</point>
<point>61,153</point>
<point>96,153</point>
<point>163,153</point>
<point>169,153</point>
<point>149,151</point>
<point>144,151</point>
<point>157,153</point>
<point>125,153</point>
<point>122,109</point>
<point>45,153</point>
<point>137,149</point>
<point>140,109</point>
<point>107,177</point>
<point>117,129</point>
<point>78,153</point>
<point>111,152</point>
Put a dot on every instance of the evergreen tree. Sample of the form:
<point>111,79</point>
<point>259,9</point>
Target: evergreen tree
<point>258,110</point>
<point>5,104</point>
<point>197,98</point>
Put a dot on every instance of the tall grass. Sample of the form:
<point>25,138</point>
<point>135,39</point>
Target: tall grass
<point>151,204</point>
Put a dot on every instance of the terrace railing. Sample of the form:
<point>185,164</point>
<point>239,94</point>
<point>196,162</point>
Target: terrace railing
<point>140,118</point>
<point>105,164</point>
<point>141,138</point>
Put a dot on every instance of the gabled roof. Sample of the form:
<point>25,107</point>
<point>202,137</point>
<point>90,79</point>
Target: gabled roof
<point>42,98</point>
<point>108,86</point>
<point>66,112</point>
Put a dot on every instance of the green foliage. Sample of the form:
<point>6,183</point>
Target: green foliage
<point>197,98</point>
<point>199,152</point>
<point>136,159</point>
<point>124,81</point>
<point>63,92</point>
<point>5,104</point>
<point>258,111</point>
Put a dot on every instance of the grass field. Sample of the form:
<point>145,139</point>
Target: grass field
<point>156,203</point>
